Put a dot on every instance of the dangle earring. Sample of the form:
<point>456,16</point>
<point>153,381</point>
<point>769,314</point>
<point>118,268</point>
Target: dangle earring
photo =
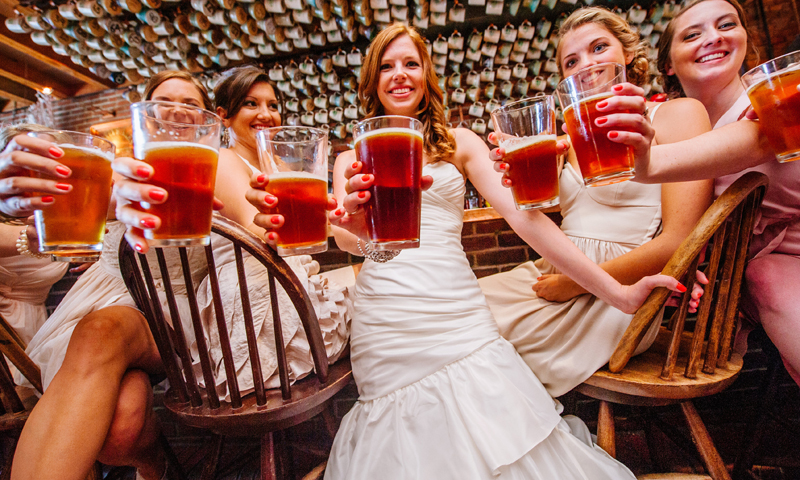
<point>226,138</point>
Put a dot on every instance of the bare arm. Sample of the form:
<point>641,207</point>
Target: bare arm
<point>233,178</point>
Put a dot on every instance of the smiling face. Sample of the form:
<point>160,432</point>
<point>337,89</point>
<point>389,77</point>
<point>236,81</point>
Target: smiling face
<point>709,45</point>
<point>179,91</point>
<point>589,45</point>
<point>401,78</point>
<point>259,111</point>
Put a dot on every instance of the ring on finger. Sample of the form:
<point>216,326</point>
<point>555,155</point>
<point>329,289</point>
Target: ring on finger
<point>356,212</point>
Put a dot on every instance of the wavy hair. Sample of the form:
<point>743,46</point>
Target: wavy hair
<point>672,86</point>
<point>439,142</point>
<point>235,84</point>
<point>164,75</point>
<point>637,70</point>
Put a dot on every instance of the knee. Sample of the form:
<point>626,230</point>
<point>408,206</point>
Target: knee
<point>129,430</point>
<point>105,334</point>
<point>762,277</point>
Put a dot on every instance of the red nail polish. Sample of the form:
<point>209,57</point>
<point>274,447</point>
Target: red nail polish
<point>355,165</point>
<point>63,186</point>
<point>48,199</point>
<point>601,121</point>
<point>365,178</point>
<point>156,195</point>
<point>275,220</point>
<point>603,104</point>
<point>143,172</point>
<point>613,134</point>
<point>269,200</point>
<point>338,212</point>
<point>261,178</point>
<point>148,223</point>
<point>681,288</point>
<point>362,194</point>
<point>138,248</point>
<point>617,88</point>
<point>56,152</point>
<point>63,171</point>
<point>271,236</point>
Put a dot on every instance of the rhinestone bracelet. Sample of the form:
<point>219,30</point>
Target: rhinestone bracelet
<point>379,257</point>
<point>22,246</point>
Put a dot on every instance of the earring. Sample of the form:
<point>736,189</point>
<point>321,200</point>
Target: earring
<point>226,137</point>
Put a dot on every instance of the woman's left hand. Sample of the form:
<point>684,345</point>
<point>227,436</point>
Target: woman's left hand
<point>626,117</point>
<point>633,296</point>
<point>557,288</point>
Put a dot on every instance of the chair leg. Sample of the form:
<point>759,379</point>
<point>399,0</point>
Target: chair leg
<point>11,448</point>
<point>268,457</point>
<point>652,443</point>
<point>702,440</point>
<point>331,425</point>
<point>174,468</point>
<point>605,429</point>
<point>210,470</point>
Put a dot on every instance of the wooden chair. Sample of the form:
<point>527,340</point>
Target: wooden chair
<point>265,410</point>
<point>683,365</point>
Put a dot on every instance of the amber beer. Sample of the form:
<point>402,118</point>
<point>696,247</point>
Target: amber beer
<point>602,161</point>
<point>533,171</point>
<point>777,102</point>
<point>394,157</point>
<point>187,171</point>
<point>302,201</point>
<point>76,222</point>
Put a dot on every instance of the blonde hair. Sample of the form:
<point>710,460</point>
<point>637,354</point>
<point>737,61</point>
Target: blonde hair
<point>637,70</point>
<point>164,75</point>
<point>672,86</point>
<point>439,142</point>
<point>7,133</point>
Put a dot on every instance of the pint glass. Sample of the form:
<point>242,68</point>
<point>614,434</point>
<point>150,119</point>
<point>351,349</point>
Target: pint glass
<point>390,148</point>
<point>181,143</point>
<point>72,229</point>
<point>296,159</point>
<point>528,136</point>
<point>602,161</point>
<point>772,88</point>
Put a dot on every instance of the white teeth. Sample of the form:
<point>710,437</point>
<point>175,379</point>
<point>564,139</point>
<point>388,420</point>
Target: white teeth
<point>401,90</point>
<point>713,56</point>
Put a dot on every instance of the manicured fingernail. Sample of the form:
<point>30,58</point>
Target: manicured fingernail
<point>680,288</point>
<point>261,178</point>
<point>156,194</point>
<point>355,165</point>
<point>63,171</point>
<point>364,178</point>
<point>48,199</point>
<point>271,236</point>
<point>538,278</point>
<point>275,220</point>
<point>269,199</point>
<point>138,248</point>
<point>503,166</point>
<point>143,172</point>
<point>362,194</point>
<point>63,186</point>
<point>602,104</point>
<point>56,152</point>
<point>617,88</point>
<point>339,212</point>
<point>601,121</point>
<point>613,134</point>
<point>148,222</point>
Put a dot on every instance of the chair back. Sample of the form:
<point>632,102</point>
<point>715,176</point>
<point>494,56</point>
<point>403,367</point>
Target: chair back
<point>13,348</point>
<point>172,340</point>
<point>718,244</point>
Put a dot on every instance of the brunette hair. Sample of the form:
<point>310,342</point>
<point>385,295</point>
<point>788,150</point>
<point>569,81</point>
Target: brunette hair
<point>439,142</point>
<point>637,70</point>
<point>672,86</point>
<point>164,75</point>
<point>230,92</point>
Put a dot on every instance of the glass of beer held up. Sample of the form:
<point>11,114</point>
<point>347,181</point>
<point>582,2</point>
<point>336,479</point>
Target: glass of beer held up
<point>72,229</point>
<point>390,148</point>
<point>181,143</point>
<point>527,131</point>
<point>602,161</point>
<point>772,88</point>
<point>296,160</point>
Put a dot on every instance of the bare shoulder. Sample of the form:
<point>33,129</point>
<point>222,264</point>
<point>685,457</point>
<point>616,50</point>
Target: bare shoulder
<point>344,158</point>
<point>679,108</point>
<point>680,119</point>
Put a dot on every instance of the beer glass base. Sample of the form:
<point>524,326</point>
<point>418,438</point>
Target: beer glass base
<point>179,242</point>
<point>394,245</point>
<point>609,179</point>
<point>74,250</point>
<point>789,157</point>
<point>76,259</point>
<point>536,205</point>
<point>304,250</point>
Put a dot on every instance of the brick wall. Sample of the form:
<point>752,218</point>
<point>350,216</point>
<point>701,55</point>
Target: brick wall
<point>79,113</point>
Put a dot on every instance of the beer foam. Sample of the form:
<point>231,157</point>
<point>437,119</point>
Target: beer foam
<point>383,131</point>
<point>159,145</point>
<point>794,68</point>
<point>107,155</point>
<point>511,145</point>
<point>303,175</point>
<point>599,96</point>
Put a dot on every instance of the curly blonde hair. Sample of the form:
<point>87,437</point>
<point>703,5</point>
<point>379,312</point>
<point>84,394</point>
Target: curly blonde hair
<point>439,142</point>
<point>637,70</point>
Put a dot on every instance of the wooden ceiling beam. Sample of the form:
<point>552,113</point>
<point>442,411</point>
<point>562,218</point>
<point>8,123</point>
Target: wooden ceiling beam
<point>16,92</point>
<point>17,72</point>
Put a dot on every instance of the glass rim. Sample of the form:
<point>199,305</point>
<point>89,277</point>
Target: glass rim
<point>143,104</point>
<point>71,132</point>
<point>566,80</point>
<point>528,101</point>
<point>322,134</point>
<point>379,117</point>
<point>768,68</point>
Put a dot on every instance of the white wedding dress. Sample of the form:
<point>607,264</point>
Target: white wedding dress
<point>441,394</point>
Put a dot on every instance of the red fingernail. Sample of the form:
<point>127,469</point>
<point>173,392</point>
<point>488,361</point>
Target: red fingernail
<point>148,222</point>
<point>362,194</point>
<point>56,152</point>
<point>275,220</point>
<point>603,104</point>
<point>271,236</point>
<point>338,212</point>
<point>355,165</point>
<point>364,178</point>
<point>156,195</point>
<point>261,178</point>
<point>143,172</point>
<point>680,288</point>
<point>269,199</point>
<point>503,166</point>
<point>138,248</point>
<point>617,88</point>
<point>601,121</point>
<point>48,199</point>
<point>63,171</point>
<point>613,134</point>
<point>62,186</point>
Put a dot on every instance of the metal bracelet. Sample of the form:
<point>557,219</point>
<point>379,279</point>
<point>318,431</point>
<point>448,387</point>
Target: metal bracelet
<point>379,257</point>
<point>23,246</point>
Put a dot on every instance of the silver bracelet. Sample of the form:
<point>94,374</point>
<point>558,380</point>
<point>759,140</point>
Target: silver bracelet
<point>23,246</point>
<point>379,257</point>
